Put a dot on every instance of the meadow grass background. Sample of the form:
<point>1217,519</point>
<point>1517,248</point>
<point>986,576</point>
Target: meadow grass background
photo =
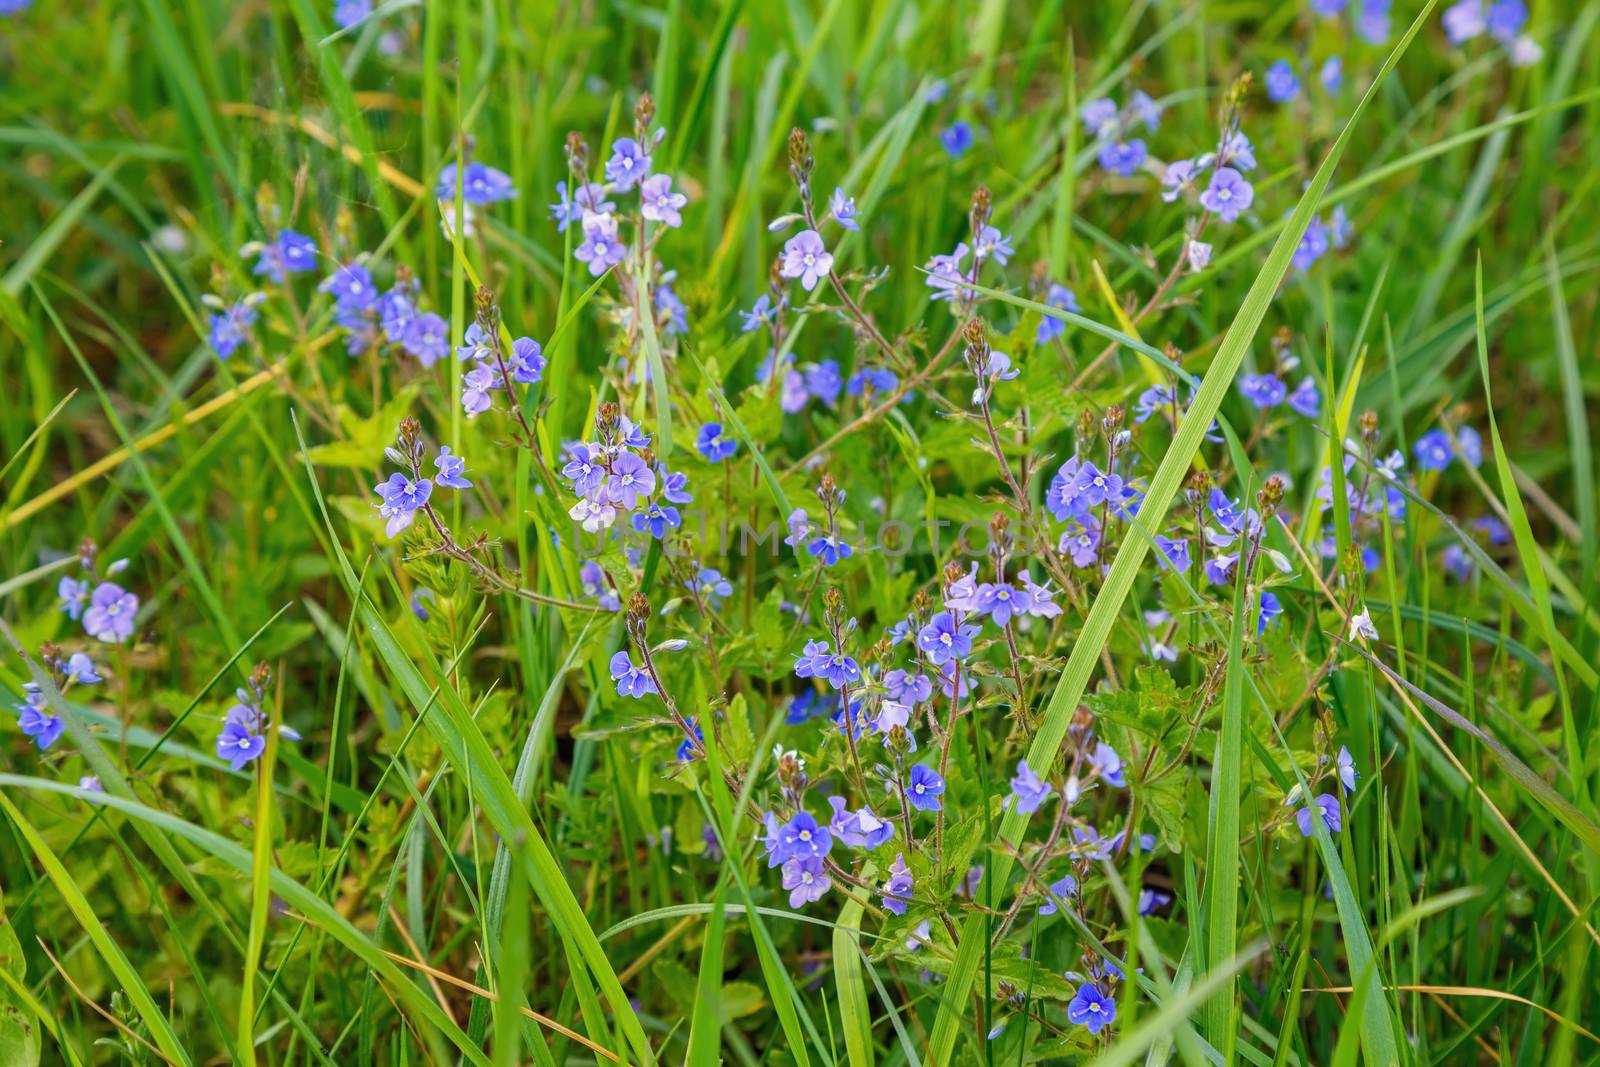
<point>327,905</point>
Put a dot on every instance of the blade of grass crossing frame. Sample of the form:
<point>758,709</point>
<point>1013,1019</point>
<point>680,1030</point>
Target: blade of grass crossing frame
<point>1130,556</point>
<point>855,1016</point>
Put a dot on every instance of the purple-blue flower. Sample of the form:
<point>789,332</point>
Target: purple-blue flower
<point>1058,296</point>
<point>480,184</point>
<point>802,837</point>
<point>348,13</point>
<point>1282,84</point>
<point>807,881</point>
<point>956,138</point>
<point>1270,609</point>
<point>1327,806</point>
<point>858,829</point>
<point>1091,1008</point>
<point>601,249</point>
<point>291,252</point>
<point>659,202</point>
<point>897,890</point>
<point>37,722</point>
<point>1028,790</point>
<point>631,681</point>
<point>907,688</point>
<point>1306,398</point>
<point>629,163</point>
<point>230,327</point>
<point>1433,450</point>
<point>1506,19</point>
<point>1227,195</point>
<point>1123,157</point>
<point>1263,390</point>
<point>1064,887</point>
<point>1464,21</point>
<point>631,478</point>
<point>589,199</point>
<point>111,612</point>
<point>713,445</point>
<point>924,789</point>
<point>943,639</point>
<point>805,257</point>
<point>1106,762</point>
<point>451,470</point>
<point>239,744</point>
<point>843,210</point>
<point>427,337</point>
<point>399,498</point>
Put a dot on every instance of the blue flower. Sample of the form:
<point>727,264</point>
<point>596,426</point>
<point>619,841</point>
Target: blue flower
<point>451,470</point>
<point>1091,1008</point>
<point>659,203</point>
<point>805,257</point>
<point>1028,790</point>
<point>80,668</point>
<point>870,380</point>
<point>1263,390</point>
<point>1099,116</point>
<point>1270,609</point>
<point>427,337</point>
<point>36,722</point>
<point>943,639</point>
<point>291,252</point>
<point>711,585</point>
<point>1058,296</point>
<point>858,829</point>
<point>480,184</point>
<point>1327,807</point>
<point>829,548</point>
<point>629,163</point>
<point>897,890</point>
<point>1306,398</point>
<point>1172,551</point>
<point>760,314</point>
<point>843,210</point>
<point>1346,766</point>
<point>631,681</point>
<point>802,837</point>
<point>1083,545</point>
<point>992,244</point>
<point>807,881</point>
<point>1282,84</point>
<point>1433,450</point>
<point>1464,21</point>
<point>1506,19</point>
<point>631,478</point>
<point>907,688</point>
<point>1332,74</point>
<point>111,612</point>
<point>712,445</point>
<point>590,199</point>
<point>956,138</point>
<point>1061,889</point>
<point>1123,157</point>
<point>1313,245</point>
<point>925,789</point>
<point>816,661</point>
<point>601,248</point>
<point>675,487</point>
<point>1002,601</point>
<point>352,287</point>
<point>73,594</point>
<point>238,743</point>
<point>1469,446</point>
<point>1227,195</point>
<point>1105,762</point>
<point>348,13</point>
<point>1094,487</point>
<point>230,327</point>
<point>688,750</point>
<point>399,498</point>
<point>1372,22</point>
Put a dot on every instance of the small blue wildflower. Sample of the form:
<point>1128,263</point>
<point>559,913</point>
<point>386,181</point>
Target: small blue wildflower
<point>992,244</point>
<point>1314,244</point>
<point>1327,807</point>
<point>1331,75</point>
<point>1328,9</point>
<point>451,470</point>
<point>1464,21</point>
<point>73,594</point>
<point>1172,552</point>
<point>230,327</point>
<point>1028,790</point>
<point>713,445</point>
<point>943,639</point>
<point>1505,19</point>
<point>1143,108</point>
<point>945,273</point>
<point>804,838</point>
<point>1095,486</point>
<point>396,311</point>
<point>843,210</point>
<point>631,681</point>
<point>1091,1008</point>
<point>1282,84</point>
<point>858,829</point>
<point>1063,888</point>
<point>1099,116</point>
<point>527,361</point>
<point>760,314</point>
<point>829,548</point>
<point>1227,195</point>
<point>712,586</point>
<point>427,337</point>
<point>907,688</point>
<point>584,470</point>
<point>601,248</point>
<point>897,890</point>
<point>36,721</point>
<point>110,615</point>
<point>1372,22</point>
<point>480,184</point>
<point>1058,296</point>
<point>80,668</point>
<point>352,287</point>
<point>1082,545</point>
<point>836,668</point>
<point>870,380</point>
<point>399,499</point>
<point>238,742</point>
<point>1270,609</point>
<point>1469,446</point>
<point>924,789</point>
<point>590,199</point>
<point>688,751</point>
<point>1346,766</point>
<point>659,202</point>
<point>1153,900</point>
<point>805,257</point>
<point>348,13</point>
<point>290,252</point>
<point>1123,157</point>
<point>1306,398</point>
<point>1433,450</point>
<point>675,487</point>
<point>956,138</point>
<point>1178,176</point>
<point>807,881</point>
<point>1002,602</point>
<point>629,163</point>
<point>1263,390</point>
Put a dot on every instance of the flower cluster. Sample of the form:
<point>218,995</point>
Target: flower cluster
<point>616,475</point>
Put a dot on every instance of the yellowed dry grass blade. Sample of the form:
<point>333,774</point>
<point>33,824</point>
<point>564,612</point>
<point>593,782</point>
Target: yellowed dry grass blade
<point>1468,991</point>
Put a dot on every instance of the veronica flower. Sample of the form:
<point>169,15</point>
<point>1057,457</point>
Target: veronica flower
<point>1270,609</point>
<point>1002,601</point>
<point>805,257</point>
<point>1123,158</point>
<point>1469,446</point>
<point>659,202</point>
<point>1142,106</point>
<point>992,244</point>
<point>1099,116</point>
<point>802,837</point>
<point>631,478</point>
<point>953,681</point>
<point>110,615</point>
<point>1263,390</point>
<point>843,210</point>
<point>858,829</point>
<point>1328,9</point>
<point>73,594</point>
<point>480,184</point>
<point>943,639</point>
<point>1198,253</point>
<point>396,311</point>
<point>1306,399</point>
<point>476,385</point>
<point>1227,195</point>
<point>290,252</point>
<point>1361,626</point>
<point>230,327</point>
<point>870,380</point>
<point>1313,245</point>
<point>1050,327</point>
<point>631,681</point>
<point>583,469</point>
<point>1028,790</point>
<point>35,721</point>
<point>925,789</point>
<point>1282,85</point>
<point>1327,807</point>
<point>1433,450</point>
<point>963,594</point>
<point>629,163</point>
<point>239,744</point>
<point>1464,21</point>
<point>1178,176</point>
<point>1041,598</point>
<point>1061,889</point>
<point>713,445</point>
<point>1091,1008</point>
<point>656,520</point>
<point>712,586</point>
<point>601,248</point>
<point>1082,546</point>
<point>427,337</point>
<point>1372,22</point>
<point>897,890</point>
<point>451,470</point>
<point>956,138</point>
<point>1346,765</point>
<point>807,881</point>
<point>348,13</point>
<point>399,498</point>
<point>1332,74</point>
<point>352,287</point>
<point>830,548</point>
<point>824,381</point>
<point>945,273</point>
<point>905,688</point>
<point>836,668</point>
<point>589,198</point>
<point>1061,498</point>
<point>1172,552</point>
<point>1105,761</point>
<point>760,314</point>
<point>80,668</point>
<point>1152,900</point>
